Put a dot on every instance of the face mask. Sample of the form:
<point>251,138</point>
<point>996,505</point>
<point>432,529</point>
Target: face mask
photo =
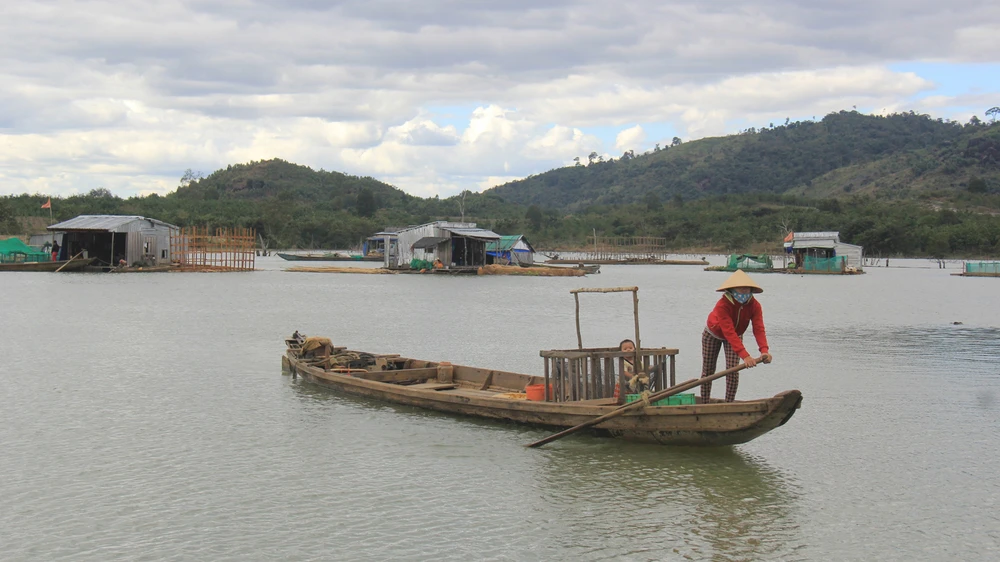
<point>742,298</point>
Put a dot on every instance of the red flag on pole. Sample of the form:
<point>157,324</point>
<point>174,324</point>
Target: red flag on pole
<point>48,204</point>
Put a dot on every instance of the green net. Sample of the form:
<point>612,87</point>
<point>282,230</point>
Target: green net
<point>983,267</point>
<point>746,261</point>
<point>812,263</point>
<point>421,264</point>
<point>12,250</point>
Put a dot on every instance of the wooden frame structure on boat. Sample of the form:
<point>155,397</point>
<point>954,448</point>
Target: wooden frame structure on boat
<point>589,373</point>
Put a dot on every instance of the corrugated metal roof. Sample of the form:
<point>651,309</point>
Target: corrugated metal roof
<point>478,233</point>
<point>813,235</point>
<point>438,224</point>
<point>104,223</point>
<point>428,242</point>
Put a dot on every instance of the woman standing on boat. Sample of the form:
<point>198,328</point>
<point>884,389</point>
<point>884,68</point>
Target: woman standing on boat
<point>730,318</point>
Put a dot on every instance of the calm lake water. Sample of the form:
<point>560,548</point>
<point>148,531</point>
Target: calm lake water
<point>145,417</point>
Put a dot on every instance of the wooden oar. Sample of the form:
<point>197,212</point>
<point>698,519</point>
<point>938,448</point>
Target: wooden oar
<point>641,403</point>
<point>67,262</point>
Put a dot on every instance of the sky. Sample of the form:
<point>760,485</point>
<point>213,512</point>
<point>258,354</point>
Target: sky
<point>439,96</point>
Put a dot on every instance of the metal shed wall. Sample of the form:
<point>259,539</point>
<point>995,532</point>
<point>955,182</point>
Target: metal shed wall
<point>852,252</point>
<point>407,237</point>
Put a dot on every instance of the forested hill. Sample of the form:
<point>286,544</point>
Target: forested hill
<point>277,179</point>
<point>906,154</point>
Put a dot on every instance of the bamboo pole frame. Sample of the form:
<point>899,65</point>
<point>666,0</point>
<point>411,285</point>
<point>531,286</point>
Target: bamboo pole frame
<point>228,249</point>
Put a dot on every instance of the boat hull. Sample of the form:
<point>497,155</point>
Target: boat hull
<point>66,265</point>
<point>712,424</point>
<point>330,257</point>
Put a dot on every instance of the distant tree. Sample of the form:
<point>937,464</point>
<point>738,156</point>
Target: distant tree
<point>652,201</point>
<point>461,202</point>
<point>676,141</point>
<point>101,192</point>
<point>577,160</point>
<point>656,148</point>
<point>534,216</point>
<point>8,220</point>
<point>366,203</point>
<point>938,245</point>
<point>993,113</point>
<point>977,185</point>
<point>975,121</point>
<point>592,157</point>
<point>190,176</point>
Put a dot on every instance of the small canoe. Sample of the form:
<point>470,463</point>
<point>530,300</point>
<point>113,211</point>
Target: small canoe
<point>500,395</point>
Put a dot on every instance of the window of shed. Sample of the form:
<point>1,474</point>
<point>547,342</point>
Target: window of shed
<point>163,254</point>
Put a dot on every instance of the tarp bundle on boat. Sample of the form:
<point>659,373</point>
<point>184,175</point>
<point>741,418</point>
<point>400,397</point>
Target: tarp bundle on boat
<point>316,343</point>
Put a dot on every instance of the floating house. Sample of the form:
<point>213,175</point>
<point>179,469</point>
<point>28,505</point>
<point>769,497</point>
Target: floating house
<point>511,249</point>
<point>456,244</point>
<point>377,243</point>
<point>113,238</point>
<point>822,252</point>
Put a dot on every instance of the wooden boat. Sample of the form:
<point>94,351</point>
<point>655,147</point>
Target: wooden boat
<point>327,257</point>
<point>61,265</point>
<point>577,386</point>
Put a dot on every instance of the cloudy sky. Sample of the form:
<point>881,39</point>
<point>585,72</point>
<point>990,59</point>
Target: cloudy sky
<point>437,96</point>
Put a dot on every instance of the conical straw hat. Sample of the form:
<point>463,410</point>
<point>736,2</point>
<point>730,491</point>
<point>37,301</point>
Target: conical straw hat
<point>740,279</point>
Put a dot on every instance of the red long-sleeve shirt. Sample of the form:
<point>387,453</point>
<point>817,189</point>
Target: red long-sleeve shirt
<point>730,319</point>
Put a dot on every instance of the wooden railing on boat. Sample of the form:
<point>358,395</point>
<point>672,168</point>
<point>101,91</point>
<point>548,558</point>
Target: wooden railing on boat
<point>591,373</point>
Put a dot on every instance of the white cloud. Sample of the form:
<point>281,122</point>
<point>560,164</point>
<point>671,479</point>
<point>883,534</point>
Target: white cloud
<point>630,138</point>
<point>127,94</point>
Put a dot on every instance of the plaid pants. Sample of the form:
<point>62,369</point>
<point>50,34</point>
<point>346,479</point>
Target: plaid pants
<point>710,347</point>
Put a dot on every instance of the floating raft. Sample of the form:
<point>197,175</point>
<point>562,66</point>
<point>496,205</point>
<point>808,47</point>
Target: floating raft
<point>484,270</point>
<point>631,261</point>
<point>362,270</point>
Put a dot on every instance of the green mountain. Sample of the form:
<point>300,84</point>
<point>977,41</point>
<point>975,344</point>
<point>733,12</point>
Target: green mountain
<point>904,155</point>
<point>267,179</point>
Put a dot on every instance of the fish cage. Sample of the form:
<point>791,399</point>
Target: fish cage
<point>815,263</point>
<point>983,268</point>
<point>593,373</point>
<point>13,250</point>
<point>228,249</point>
<point>625,248</point>
<point>747,262</point>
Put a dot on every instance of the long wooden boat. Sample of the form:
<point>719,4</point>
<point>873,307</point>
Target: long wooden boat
<point>578,385</point>
<point>327,257</point>
<point>66,265</point>
<point>488,393</point>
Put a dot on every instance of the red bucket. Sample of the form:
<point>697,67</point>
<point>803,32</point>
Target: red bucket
<point>536,392</point>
